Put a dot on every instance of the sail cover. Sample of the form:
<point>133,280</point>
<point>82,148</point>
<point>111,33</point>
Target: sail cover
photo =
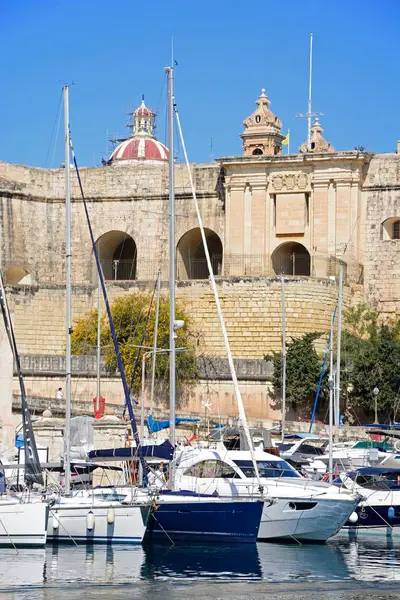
<point>154,426</point>
<point>33,472</point>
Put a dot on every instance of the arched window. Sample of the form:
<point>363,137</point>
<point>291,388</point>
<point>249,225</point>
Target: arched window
<point>118,256</point>
<point>257,152</point>
<point>191,258</point>
<point>391,229</point>
<point>291,258</point>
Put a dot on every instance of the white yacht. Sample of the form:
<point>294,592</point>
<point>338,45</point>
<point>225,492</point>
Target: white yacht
<point>22,523</point>
<point>294,507</point>
<point>310,452</point>
<point>88,518</point>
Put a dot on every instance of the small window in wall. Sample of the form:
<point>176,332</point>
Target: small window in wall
<point>390,229</point>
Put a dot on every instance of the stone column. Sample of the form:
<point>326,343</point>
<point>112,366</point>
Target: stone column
<point>236,226</point>
<point>49,434</point>
<point>258,232</point>
<point>343,209</point>
<point>319,222</point>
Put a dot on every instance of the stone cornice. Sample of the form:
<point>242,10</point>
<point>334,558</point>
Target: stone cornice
<point>94,199</point>
<point>296,159</point>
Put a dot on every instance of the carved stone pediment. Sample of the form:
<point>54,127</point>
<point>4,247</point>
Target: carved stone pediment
<point>290,182</point>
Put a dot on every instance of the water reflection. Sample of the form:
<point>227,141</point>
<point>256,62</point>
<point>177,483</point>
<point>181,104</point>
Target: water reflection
<point>363,560</point>
<point>201,562</point>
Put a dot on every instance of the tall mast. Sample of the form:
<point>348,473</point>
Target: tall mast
<point>283,303</point>
<point>98,345</point>
<point>338,351</point>
<point>68,311</point>
<point>331,400</point>
<point>155,335</point>
<point>172,355</point>
<point>309,111</point>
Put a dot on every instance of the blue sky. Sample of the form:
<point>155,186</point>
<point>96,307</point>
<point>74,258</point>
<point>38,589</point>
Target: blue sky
<point>227,51</point>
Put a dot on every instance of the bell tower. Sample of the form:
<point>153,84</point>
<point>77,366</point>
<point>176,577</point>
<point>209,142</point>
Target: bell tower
<point>262,130</point>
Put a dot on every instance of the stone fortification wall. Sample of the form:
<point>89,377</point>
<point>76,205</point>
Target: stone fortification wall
<point>252,310</point>
<point>382,255</point>
<point>129,199</point>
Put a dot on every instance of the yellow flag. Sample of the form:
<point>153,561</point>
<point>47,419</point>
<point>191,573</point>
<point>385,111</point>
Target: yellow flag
<point>286,141</point>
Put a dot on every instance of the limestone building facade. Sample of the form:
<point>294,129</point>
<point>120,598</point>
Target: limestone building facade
<point>266,214</point>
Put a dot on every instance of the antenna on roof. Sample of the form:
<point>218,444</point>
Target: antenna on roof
<point>211,150</point>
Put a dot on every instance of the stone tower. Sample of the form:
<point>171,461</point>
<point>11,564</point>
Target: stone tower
<point>318,143</point>
<point>262,130</point>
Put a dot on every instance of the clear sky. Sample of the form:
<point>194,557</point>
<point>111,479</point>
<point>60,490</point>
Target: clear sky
<point>226,52</point>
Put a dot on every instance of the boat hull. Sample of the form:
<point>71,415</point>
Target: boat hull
<point>205,521</point>
<point>23,524</point>
<point>306,520</point>
<point>101,523</point>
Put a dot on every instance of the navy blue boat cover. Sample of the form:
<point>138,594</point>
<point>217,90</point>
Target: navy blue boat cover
<point>164,450</point>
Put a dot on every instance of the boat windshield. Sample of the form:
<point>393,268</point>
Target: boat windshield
<point>267,468</point>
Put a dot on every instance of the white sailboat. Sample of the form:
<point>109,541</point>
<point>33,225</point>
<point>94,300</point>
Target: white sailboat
<point>85,518</point>
<point>22,522</point>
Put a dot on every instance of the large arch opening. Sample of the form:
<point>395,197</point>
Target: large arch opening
<point>17,276</point>
<point>291,258</point>
<point>191,258</point>
<point>118,256</point>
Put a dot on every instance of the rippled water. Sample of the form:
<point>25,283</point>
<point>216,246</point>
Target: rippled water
<point>343,569</point>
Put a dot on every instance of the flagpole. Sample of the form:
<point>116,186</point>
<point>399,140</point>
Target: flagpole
<point>310,95</point>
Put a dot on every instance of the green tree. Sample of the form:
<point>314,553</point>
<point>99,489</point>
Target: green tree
<point>303,368</point>
<point>129,314</point>
<point>369,362</point>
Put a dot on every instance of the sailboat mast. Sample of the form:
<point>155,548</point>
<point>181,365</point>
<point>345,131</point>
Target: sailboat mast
<point>331,390</point>
<point>98,346</point>
<point>68,311</point>
<point>283,302</point>
<point>338,350</point>
<point>172,355</point>
<point>154,357</point>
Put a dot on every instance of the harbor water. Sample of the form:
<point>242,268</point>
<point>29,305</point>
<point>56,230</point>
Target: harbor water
<point>343,569</point>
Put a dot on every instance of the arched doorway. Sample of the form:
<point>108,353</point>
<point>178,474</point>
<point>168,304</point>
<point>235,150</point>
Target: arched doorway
<point>191,258</point>
<point>118,255</point>
<point>291,258</point>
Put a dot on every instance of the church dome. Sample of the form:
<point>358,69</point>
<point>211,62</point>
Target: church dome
<point>140,149</point>
<point>142,145</point>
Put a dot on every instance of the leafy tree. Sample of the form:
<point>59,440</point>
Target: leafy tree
<point>129,315</point>
<point>370,359</point>
<point>370,362</point>
<point>303,368</point>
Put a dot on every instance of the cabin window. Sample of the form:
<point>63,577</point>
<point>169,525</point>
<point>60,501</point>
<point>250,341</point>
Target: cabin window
<point>211,469</point>
<point>267,468</point>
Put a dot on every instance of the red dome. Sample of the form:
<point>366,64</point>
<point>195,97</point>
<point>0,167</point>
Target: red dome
<point>143,111</point>
<point>140,148</point>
